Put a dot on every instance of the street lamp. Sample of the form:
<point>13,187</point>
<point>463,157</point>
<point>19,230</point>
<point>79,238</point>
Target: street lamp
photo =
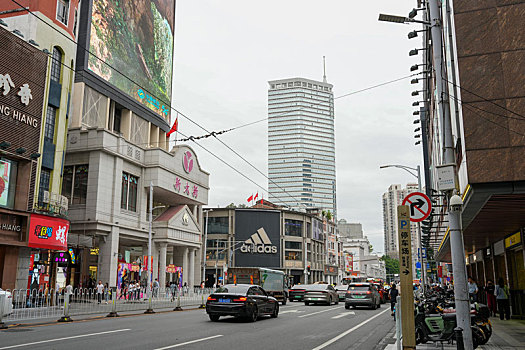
<point>150,263</point>
<point>417,174</point>
<point>205,245</point>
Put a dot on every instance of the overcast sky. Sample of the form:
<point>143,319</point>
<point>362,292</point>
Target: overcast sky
<point>226,52</point>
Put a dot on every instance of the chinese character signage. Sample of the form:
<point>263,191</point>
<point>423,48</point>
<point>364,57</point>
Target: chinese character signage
<point>22,84</point>
<point>185,187</point>
<point>405,274</point>
<point>48,232</point>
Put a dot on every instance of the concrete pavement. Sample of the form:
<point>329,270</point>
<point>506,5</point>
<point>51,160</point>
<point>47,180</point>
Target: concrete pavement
<point>297,327</point>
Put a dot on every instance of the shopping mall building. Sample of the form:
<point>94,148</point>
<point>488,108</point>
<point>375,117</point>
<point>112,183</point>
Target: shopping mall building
<point>118,150</point>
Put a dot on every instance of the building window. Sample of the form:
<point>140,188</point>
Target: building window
<point>218,225</point>
<point>293,245</point>
<point>63,11</point>
<point>128,199</point>
<point>293,228</point>
<point>75,23</point>
<point>74,183</point>
<point>45,177</point>
<point>291,255</point>
<point>56,65</point>
<point>49,131</point>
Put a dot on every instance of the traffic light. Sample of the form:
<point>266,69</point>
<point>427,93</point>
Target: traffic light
<point>308,268</point>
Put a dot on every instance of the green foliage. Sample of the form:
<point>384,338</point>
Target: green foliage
<point>391,265</point>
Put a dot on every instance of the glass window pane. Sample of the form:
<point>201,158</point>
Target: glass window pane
<point>81,182</point>
<point>67,182</point>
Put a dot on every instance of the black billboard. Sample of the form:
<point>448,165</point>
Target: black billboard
<point>257,238</point>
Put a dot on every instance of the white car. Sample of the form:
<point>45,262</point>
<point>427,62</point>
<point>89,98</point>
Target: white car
<point>8,302</point>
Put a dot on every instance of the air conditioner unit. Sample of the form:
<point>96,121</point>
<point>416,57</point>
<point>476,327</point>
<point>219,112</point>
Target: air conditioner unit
<point>46,197</point>
<point>54,198</point>
<point>64,203</point>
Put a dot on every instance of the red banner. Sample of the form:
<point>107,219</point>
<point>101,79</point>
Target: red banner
<point>48,232</point>
<point>440,271</point>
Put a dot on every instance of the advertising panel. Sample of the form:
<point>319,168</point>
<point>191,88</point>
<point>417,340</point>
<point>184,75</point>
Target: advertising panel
<point>22,84</point>
<point>5,175</point>
<point>48,232</point>
<point>257,236</point>
<point>131,47</point>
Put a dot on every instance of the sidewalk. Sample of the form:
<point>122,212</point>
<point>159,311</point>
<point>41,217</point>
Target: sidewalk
<point>506,335</point>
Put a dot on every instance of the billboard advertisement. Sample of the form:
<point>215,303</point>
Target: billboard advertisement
<point>131,46</point>
<point>48,232</point>
<point>257,238</point>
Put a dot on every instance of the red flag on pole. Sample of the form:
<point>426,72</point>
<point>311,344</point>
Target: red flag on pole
<point>250,198</point>
<point>257,195</point>
<point>174,127</point>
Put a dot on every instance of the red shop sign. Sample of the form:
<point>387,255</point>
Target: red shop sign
<point>48,232</point>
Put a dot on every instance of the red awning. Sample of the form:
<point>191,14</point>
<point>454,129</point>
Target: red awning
<point>48,232</point>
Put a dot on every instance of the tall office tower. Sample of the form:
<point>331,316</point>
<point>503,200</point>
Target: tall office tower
<point>301,144</point>
<point>391,199</point>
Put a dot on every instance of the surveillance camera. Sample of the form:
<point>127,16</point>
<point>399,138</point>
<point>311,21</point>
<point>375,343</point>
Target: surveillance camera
<point>456,202</point>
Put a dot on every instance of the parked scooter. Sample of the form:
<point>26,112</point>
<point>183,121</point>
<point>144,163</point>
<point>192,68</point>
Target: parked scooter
<point>440,327</point>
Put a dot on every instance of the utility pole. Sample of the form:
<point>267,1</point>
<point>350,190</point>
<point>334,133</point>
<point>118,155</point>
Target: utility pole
<point>205,246</point>
<point>420,246</point>
<point>454,215</point>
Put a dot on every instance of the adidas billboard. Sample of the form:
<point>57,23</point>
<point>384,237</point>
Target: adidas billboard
<point>259,230</point>
<point>259,242</point>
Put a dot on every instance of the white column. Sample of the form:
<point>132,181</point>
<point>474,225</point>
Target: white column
<point>185,269</point>
<point>162,264</point>
<point>191,275</point>
<point>108,258</point>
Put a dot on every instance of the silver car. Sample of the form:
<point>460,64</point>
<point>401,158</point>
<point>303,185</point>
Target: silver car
<point>320,294</point>
<point>341,291</point>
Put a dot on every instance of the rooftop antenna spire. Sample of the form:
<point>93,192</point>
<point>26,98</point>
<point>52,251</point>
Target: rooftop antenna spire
<point>324,70</point>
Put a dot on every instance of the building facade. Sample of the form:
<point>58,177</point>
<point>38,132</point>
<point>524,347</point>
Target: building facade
<point>299,239</point>
<point>484,99</point>
<point>349,229</point>
<point>119,166</point>
<point>50,26</point>
<point>301,144</point>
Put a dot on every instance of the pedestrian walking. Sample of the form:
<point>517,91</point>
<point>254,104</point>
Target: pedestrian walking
<point>393,293</point>
<point>155,288</point>
<point>106,292</point>
<point>100,291</point>
<point>490,290</point>
<point>472,290</point>
<point>502,298</point>
<point>185,288</point>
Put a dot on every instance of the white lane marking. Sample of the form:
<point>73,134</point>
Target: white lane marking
<point>65,338</point>
<point>318,312</point>
<point>333,340</point>
<point>344,314</point>
<point>288,311</point>
<point>189,342</point>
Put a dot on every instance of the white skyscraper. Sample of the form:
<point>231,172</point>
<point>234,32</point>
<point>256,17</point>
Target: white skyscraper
<point>301,144</point>
<point>391,199</point>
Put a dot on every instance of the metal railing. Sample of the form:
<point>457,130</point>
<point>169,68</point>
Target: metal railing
<point>42,304</point>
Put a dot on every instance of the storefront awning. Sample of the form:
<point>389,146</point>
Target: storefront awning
<point>491,212</point>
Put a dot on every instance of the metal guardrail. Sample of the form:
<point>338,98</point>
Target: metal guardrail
<point>42,304</point>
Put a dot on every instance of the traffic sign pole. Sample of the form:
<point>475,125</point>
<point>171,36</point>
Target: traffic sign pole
<point>420,209</point>
<point>405,275</point>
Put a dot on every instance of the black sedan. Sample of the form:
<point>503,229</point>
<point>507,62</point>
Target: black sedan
<point>296,293</point>
<point>241,300</point>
